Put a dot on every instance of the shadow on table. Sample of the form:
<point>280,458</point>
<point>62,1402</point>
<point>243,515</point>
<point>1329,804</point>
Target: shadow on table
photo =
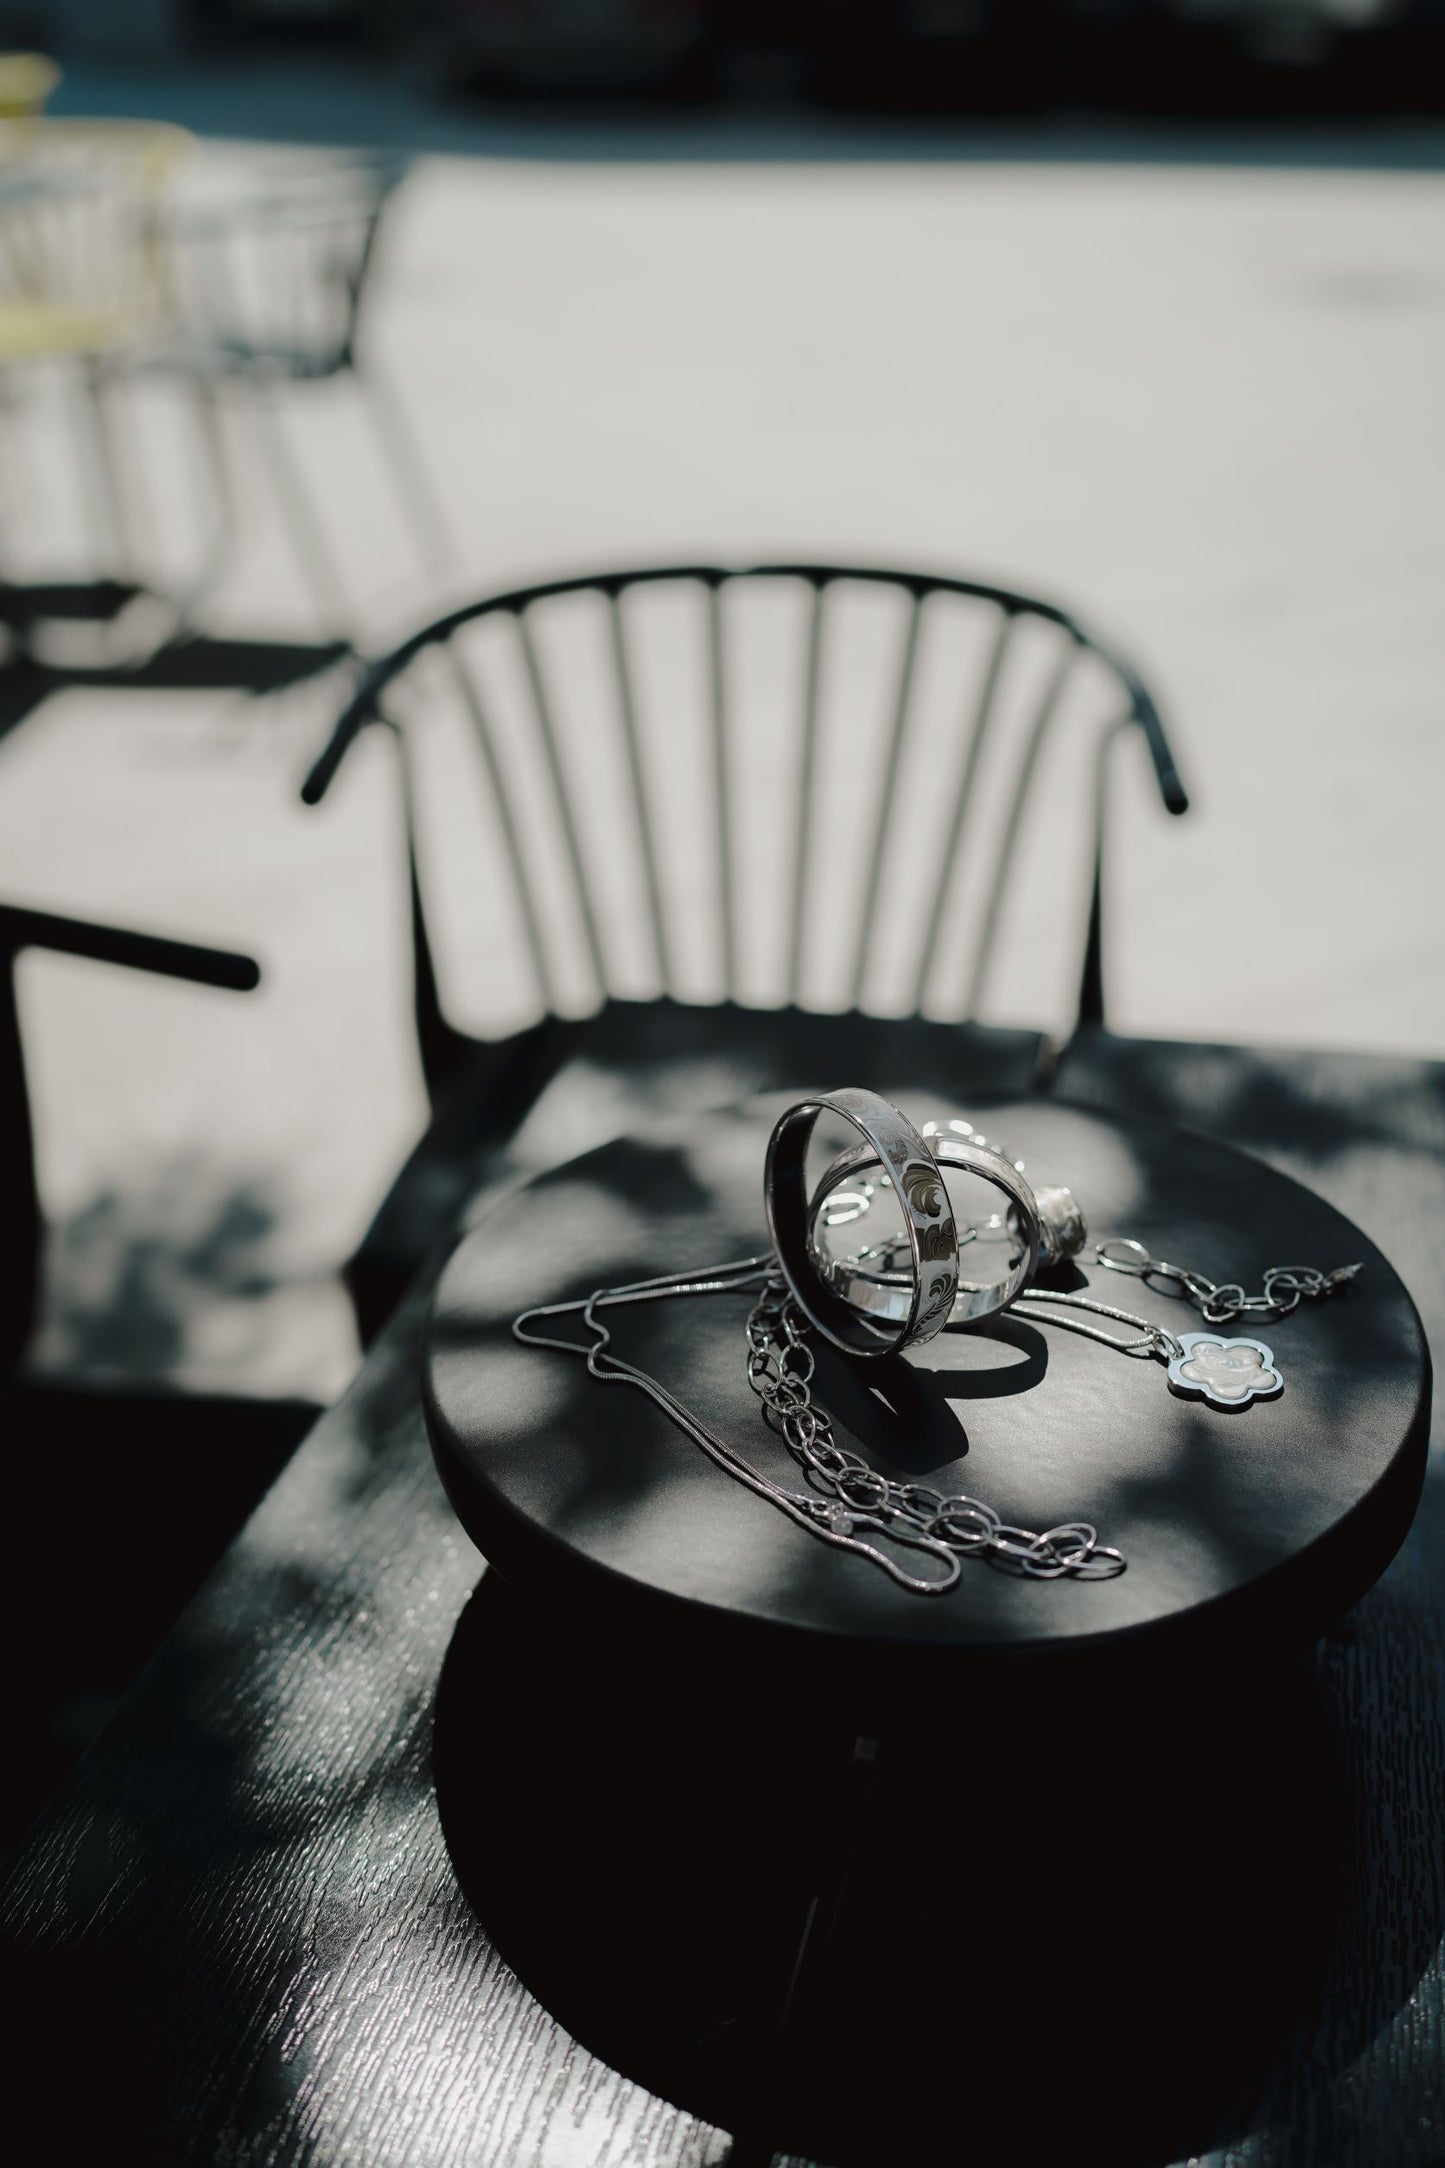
<point>123,1489</point>
<point>181,1877</point>
<point>1060,1910</point>
<point>79,1959</point>
<point>135,1275</point>
<point>1365,1130</point>
<point>126,1500</point>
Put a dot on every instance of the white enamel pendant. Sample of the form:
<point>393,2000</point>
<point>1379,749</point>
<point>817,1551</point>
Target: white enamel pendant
<point>1226,1373</point>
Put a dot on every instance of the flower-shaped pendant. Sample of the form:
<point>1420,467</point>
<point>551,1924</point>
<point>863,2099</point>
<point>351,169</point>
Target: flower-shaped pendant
<point>1226,1373</point>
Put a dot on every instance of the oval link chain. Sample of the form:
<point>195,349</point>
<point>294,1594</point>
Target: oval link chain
<point>780,1368</point>
<point>1284,1287</point>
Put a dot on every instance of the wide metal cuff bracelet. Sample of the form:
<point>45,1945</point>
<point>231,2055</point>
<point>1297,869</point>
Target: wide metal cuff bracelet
<point>1046,1225</point>
<point>921,1299</point>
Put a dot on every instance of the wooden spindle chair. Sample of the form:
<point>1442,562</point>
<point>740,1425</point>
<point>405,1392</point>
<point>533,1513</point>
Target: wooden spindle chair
<point>681,834</point>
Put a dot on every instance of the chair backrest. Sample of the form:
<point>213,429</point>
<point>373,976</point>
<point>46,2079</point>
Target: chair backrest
<point>281,275</point>
<point>809,784</point>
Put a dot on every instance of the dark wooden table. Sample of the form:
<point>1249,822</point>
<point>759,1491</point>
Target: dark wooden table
<point>239,1932</point>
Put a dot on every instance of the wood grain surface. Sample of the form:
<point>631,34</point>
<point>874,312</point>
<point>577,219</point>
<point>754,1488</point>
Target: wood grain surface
<point>242,1906</point>
<point>237,1929</point>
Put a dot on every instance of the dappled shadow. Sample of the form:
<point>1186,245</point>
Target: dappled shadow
<point>175,1275</point>
<point>133,1482</point>
<point>126,1275</point>
<point>1366,1131</point>
<point>243,1889</point>
<point>171,1803</point>
<point>226,1837</point>
<point>126,1500</point>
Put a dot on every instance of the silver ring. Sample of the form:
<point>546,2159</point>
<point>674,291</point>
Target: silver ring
<point>875,1287</point>
<point>923,1300</point>
<point>1063,1230</point>
<point>1047,1223</point>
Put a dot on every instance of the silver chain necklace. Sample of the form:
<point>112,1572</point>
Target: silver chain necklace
<point>780,1372</point>
<point>1284,1286</point>
<point>1223,1373</point>
<point>847,1501</point>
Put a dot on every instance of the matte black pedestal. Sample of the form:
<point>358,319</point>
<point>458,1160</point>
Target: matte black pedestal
<point>1053,1926</point>
<point>1245,1531</point>
<point>1029,1871</point>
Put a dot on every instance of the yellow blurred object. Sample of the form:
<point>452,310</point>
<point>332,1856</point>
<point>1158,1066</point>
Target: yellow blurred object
<point>152,148</point>
<point>86,282</point>
<point>40,330</point>
<point>84,262</point>
<point>26,81</point>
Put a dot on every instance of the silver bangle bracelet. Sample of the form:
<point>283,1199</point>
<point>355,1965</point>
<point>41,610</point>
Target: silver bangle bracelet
<point>922,1300</point>
<point>1046,1223</point>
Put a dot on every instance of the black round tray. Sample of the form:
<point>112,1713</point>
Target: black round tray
<point>1239,1527</point>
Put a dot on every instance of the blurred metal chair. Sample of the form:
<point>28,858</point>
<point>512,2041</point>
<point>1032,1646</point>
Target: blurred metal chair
<point>739,828</point>
<point>85,283</point>
<point>275,286</point>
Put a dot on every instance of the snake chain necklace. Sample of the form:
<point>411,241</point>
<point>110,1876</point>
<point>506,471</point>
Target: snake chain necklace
<point>847,1502</point>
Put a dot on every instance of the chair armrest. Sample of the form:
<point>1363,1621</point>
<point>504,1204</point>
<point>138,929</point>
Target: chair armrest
<point>138,951</point>
<point>359,710</point>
